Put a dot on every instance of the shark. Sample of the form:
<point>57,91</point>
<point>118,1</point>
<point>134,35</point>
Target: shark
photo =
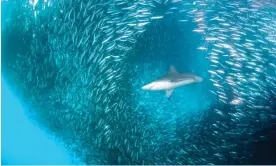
<point>173,79</point>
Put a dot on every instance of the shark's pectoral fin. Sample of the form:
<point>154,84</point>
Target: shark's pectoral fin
<point>169,93</point>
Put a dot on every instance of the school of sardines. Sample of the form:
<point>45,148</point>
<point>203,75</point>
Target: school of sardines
<point>77,63</point>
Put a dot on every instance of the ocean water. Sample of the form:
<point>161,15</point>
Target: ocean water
<point>22,141</point>
<point>78,66</point>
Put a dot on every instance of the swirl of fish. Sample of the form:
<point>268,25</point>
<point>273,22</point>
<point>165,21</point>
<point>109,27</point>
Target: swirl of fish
<point>80,63</point>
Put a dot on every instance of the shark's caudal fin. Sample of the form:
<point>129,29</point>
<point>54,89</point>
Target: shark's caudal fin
<point>172,69</point>
<point>169,93</point>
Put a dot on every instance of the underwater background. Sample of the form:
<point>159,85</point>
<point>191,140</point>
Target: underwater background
<point>75,69</point>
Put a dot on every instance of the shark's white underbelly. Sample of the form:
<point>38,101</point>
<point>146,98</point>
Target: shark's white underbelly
<point>166,85</point>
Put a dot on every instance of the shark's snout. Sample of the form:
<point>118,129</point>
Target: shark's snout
<point>147,87</point>
<point>198,79</point>
<point>144,87</point>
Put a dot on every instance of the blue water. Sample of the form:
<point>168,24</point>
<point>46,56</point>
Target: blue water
<point>22,141</point>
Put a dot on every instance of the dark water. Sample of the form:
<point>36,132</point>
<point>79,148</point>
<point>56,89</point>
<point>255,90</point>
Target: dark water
<point>81,65</point>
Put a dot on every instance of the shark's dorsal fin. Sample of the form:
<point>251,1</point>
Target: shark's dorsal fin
<point>172,69</point>
<point>169,93</point>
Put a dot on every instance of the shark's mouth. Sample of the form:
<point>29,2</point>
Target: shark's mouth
<point>152,86</point>
<point>81,64</point>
